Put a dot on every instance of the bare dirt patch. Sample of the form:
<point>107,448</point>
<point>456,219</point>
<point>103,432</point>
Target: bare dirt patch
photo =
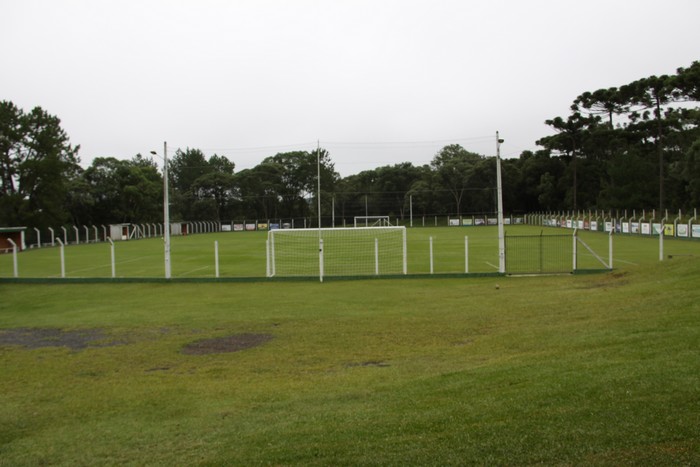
<point>232,343</point>
<point>610,280</point>
<point>377,363</point>
<point>74,339</point>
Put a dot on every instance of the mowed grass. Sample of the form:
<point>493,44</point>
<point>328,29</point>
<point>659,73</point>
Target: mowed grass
<point>597,369</point>
<point>243,254</point>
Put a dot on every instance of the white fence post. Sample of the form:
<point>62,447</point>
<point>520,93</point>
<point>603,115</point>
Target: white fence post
<point>38,237</point>
<point>320,259</point>
<point>14,257</point>
<point>376,256</point>
<point>431,255</point>
<point>405,254</point>
<point>77,235</point>
<point>575,250</point>
<point>466,254</point>
<point>63,257</point>
<point>53,237</point>
<point>216,258</point>
<point>111,243</point>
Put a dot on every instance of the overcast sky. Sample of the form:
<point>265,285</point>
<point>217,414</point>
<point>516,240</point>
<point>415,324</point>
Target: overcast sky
<point>377,82</point>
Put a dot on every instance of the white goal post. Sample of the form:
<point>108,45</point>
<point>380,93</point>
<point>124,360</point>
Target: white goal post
<point>361,251</point>
<point>372,221</point>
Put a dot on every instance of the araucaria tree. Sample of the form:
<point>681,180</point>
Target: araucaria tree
<point>631,143</point>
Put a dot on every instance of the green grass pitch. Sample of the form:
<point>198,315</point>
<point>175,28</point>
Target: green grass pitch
<point>599,369</point>
<point>242,254</point>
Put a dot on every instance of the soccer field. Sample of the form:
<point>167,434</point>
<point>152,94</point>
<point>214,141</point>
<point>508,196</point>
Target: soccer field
<point>243,254</point>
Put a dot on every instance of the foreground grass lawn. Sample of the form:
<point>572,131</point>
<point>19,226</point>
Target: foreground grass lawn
<point>601,369</point>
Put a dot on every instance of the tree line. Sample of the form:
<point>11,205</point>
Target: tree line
<point>636,146</point>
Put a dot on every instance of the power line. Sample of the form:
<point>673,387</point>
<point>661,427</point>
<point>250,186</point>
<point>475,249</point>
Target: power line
<point>352,144</point>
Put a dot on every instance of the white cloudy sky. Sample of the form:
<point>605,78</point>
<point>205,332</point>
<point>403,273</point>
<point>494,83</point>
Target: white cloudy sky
<point>378,82</point>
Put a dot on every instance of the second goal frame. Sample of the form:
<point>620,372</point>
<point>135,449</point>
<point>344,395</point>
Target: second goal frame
<point>371,221</point>
<point>339,252</point>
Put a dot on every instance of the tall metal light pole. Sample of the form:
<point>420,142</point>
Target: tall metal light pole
<point>501,234</point>
<point>318,175</point>
<point>166,210</point>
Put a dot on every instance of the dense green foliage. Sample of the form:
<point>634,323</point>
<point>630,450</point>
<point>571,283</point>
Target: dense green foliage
<point>39,171</point>
<point>636,146</point>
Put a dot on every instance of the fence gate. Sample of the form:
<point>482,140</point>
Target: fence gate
<point>539,254</point>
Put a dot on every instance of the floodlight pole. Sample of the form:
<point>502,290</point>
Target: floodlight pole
<point>318,196</point>
<point>166,210</point>
<point>501,234</point>
<point>318,172</point>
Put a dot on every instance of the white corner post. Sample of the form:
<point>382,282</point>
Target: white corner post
<point>661,242</point>
<point>15,269</point>
<point>501,234</point>
<point>111,247</point>
<point>63,258</point>
<point>610,249</point>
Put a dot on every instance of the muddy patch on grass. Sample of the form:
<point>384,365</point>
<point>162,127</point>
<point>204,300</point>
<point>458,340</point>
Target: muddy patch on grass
<point>232,343</point>
<point>368,363</point>
<point>74,339</point>
<point>610,280</point>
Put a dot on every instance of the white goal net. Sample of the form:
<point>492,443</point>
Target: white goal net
<point>361,251</point>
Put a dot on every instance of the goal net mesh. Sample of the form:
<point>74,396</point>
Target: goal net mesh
<point>538,254</point>
<point>346,252</point>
